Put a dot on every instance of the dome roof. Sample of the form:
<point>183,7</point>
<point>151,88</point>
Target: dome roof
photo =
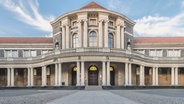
<point>92,5</point>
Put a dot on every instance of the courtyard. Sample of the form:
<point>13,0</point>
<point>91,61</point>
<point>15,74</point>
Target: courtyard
<point>144,96</point>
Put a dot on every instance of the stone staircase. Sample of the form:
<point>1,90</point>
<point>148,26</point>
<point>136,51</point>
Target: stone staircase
<point>93,88</point>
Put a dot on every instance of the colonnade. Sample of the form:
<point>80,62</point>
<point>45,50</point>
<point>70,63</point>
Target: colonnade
<point>80,75</point>
<point>103,28</point>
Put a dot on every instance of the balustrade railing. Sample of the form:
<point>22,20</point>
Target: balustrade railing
<point>88,50</point>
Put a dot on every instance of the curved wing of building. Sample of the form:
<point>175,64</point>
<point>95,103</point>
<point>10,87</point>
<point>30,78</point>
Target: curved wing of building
<point>92,46</point>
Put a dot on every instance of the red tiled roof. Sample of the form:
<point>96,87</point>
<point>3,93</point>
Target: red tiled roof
<point>93,5</point>
<point>170,40</point>
<point>22,40</point>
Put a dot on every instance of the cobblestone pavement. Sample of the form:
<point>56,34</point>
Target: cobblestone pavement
<point>156,96</point>
<point>93,97</point>
<point>31,96</point>
<point>159,96</point>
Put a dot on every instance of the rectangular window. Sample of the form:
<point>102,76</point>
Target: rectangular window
<point>74,23</point>
<point>33,53</point>
<point>110,24</point>
<point>173,53</point>
<point>8,53</point>
<point>44,51</point>
<point>26,53</point>
<point>14,53</point>
<point>141,51</point>
<point>156,53</point>
<point>92,22</point>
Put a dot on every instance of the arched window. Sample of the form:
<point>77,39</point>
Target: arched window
<point>57,45</point>
<point>110,40</point>
<point>75,40</point>
<point>92,39</point>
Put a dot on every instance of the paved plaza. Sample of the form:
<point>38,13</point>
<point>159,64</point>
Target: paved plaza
<point>156,96</point>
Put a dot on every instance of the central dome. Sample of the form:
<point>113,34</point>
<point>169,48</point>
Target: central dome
<point>93,5</point>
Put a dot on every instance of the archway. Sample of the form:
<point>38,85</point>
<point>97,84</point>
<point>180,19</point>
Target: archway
<point>112,76</point>
<point>93,75</point>
<point>74,75</point>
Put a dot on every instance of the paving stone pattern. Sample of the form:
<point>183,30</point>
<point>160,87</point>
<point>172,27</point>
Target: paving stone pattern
<point>158,96</point>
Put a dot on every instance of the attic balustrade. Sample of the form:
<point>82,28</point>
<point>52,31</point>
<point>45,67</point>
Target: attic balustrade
<point>81,51</point>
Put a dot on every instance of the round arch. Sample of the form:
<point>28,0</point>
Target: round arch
<point>93,75</point>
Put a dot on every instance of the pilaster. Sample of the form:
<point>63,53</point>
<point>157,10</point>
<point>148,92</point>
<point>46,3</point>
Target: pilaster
<point>100,33</point>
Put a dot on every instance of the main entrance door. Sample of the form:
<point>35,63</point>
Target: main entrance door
<point>74,75</point>
<point>93,75</point>
<point>112,76</point>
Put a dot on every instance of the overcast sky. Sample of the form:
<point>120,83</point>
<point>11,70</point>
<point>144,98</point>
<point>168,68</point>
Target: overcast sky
<point>31,18</point>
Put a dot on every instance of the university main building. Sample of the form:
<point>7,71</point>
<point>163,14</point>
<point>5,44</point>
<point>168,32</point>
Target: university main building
<point>92,46</point>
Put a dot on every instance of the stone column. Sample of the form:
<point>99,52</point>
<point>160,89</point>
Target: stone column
<point>103,74</point>
<point>126,74</point>
<point>122,38</point>
<point>80,33</point>
<point>63,37</point>
<point>154,76</point>
<point>85,34</point>
<point>32,77</point>
<point>56,74</point>
<point>78,73</point>
<point>82,73</point>
<point>118,37</point>
<point>172,76</point>
<point>12,77</point>
<point>106,34</point>
<point>130,74</point>
<point>60,75</point>
<point>100,34</point>
<point>142,75</point>
<point>8,77</point>
<point>44,76</point>
<point>67,42</point>
<point>176,76</point>
<point>28,77</point>
<point>108,73</point>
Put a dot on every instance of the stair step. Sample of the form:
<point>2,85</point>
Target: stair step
<point>93,88</point>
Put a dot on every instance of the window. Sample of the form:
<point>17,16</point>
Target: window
<point>93,68</point>
<point>173,53</point>
<point>33,53</point>
<point>110,41</point>
<point>8,53</point>
<point>141,51</point>
<point>156,53</point>
<point>92,39</point>
<point>92,22</point>
<point>57,45</point>
<point>75,40</point>
<point>26,53</point>
<point>14,53</point>
<point>110,24</point>
<point>44,51</point>
<point>74,23</point>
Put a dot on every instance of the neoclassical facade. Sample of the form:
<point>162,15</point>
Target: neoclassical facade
<point>92,46</point>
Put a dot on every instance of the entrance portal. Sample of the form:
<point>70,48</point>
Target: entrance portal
<point>74,76</point>
<point>93,75</point>
<point>112,76</point>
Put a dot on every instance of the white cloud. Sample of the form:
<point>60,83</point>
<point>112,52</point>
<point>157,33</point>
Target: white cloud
<point>29,14</point>
<point>153,25</point>
<point>160,26</point>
